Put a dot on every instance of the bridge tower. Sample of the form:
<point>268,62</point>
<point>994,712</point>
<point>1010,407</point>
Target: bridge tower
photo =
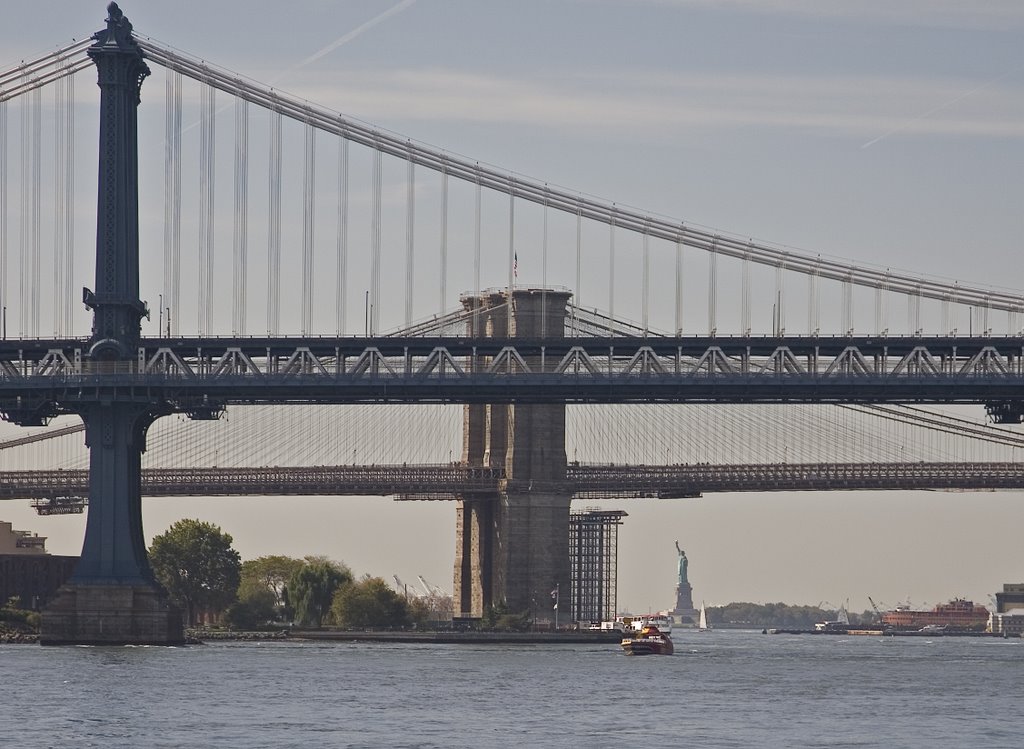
<point>512,548</point>
<point>112,596</point>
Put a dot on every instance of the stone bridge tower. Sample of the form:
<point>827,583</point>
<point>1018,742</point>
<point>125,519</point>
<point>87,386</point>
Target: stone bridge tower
<point>512,547</point>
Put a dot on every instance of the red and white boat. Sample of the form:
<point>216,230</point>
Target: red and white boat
<point>650,641</point>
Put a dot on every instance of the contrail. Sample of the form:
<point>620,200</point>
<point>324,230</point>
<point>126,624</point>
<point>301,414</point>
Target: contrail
<point>329,48</point>
<point>358,31</point>
<point>933,110</point>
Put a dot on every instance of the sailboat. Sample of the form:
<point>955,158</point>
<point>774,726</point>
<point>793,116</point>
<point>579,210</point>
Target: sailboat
<point>702,624</point>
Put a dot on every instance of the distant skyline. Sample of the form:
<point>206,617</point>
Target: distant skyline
<point>887,132</point>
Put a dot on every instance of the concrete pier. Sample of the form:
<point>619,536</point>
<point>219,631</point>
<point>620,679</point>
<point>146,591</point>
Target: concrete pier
<point>512,548</point>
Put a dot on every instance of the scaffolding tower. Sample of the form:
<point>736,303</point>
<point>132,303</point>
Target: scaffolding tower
<point>593,548</point>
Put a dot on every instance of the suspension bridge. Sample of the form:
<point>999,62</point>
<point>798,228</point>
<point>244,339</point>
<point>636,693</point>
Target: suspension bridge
<point>611,321</point>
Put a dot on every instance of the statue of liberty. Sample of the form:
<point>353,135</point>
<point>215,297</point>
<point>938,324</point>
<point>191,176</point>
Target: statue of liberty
<point>684,591</point>
<point>683,563</point>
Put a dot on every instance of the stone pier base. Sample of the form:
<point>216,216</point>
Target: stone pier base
<point>111,615</point>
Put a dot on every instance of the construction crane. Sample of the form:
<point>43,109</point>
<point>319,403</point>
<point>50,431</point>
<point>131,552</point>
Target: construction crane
<point>875,607</point>
<point>426,586</point>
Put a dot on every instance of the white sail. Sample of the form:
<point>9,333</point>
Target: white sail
<point>703,623</point>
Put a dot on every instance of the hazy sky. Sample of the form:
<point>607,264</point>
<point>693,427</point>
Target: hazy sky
<point>888,132</point>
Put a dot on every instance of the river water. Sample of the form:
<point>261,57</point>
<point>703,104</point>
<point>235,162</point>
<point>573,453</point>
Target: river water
<point>721,689</point>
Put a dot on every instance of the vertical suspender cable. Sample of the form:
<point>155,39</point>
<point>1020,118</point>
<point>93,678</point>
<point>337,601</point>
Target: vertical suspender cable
<point>341,277</point>
<point>274,229</point>
<point>308,218</point>
<point>812,301</point>
<point>69,204</point>
<point>374,310</point>
<point>443,254</point>
<point>410,236</point>
<point>29,193</point>
<point>745,290</point>
<point>37,180</point>
<point>23,215</point>
<point>207,172</point>
<point>779,323</point>
<point>240,236</point>
<point>611,274</point>
<point>60,217</point>
<point>544,275</point>
<point>579,270</point>
<point>847,315</point>
<point>878,309</point>
<point>511,249</point>
<point>713,288</point>
<point>476,259</point>
<point>679,287</point>
<point>646,283</point>
<point>172,199</point>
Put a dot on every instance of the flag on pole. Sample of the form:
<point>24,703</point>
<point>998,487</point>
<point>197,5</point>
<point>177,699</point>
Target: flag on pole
<point>515,265</point>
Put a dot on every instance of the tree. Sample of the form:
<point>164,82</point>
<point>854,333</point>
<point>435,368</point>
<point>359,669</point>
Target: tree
<point>194,561</point>
<point>252,612</point>
<point>499,618</point>
<point>269,574</point>
<point>369,603</point>
<point>311,589</point>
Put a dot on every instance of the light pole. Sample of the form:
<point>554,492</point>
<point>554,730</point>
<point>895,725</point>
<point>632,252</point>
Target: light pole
<point>554,594</point>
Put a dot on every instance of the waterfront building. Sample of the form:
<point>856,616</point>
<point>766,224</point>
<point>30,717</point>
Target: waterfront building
<point>1007,623</point>
<point>27,571</point>
<point>1012,597</point>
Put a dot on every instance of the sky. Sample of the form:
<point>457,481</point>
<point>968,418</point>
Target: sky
<point>888,133</point>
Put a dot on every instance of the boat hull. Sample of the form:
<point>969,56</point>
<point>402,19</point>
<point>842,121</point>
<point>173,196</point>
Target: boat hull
<point>647,646</point>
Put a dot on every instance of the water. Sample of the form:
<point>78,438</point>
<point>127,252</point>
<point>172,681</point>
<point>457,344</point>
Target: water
<point>721,689</point>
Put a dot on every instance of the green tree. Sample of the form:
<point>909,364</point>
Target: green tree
<point>369,603</point>
<point>194,561</point>
<point>499,618</point>
<point>269,574</point>
<point>311,589</point>
<point>251,612</point>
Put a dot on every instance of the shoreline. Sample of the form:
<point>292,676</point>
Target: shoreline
<point>476,638</point>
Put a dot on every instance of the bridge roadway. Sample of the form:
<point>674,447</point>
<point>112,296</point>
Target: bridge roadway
<point>449,482</point>
<point>200,376</point>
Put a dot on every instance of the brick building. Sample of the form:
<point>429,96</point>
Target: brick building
<point>27,571</point>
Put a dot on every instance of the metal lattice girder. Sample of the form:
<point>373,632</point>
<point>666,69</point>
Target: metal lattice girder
<point>714,361</point>
<point>782,361</point>
<point>985,362</point>
<point>918,361</point>
<point>461,370</point>
<point>234,361</point>
<point>439,362</point>
<point>850,362</point>
<point>582,481</point>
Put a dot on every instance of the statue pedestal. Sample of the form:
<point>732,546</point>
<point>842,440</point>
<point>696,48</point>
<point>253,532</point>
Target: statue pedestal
<point>684,597</point>
<point>111,615</point>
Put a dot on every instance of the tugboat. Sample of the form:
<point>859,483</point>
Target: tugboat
<point>650,641</point>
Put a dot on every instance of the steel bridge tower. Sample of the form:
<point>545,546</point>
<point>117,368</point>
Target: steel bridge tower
<point>112,596</point>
